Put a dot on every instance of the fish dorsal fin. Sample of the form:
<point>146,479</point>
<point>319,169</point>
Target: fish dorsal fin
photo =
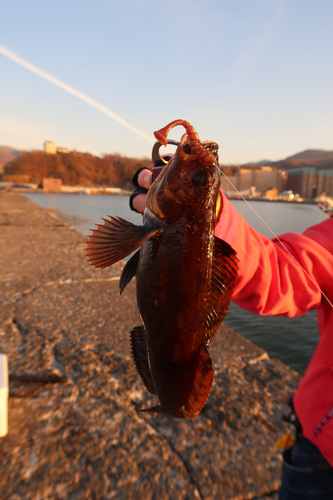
<point>140,356</point>
<point>129,271</point>
<point>225,268</point>
<point>202,384</point>
<point>116,239</point>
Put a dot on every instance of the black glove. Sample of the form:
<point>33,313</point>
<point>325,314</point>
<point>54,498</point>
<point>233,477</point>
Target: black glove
<point>138,189</point>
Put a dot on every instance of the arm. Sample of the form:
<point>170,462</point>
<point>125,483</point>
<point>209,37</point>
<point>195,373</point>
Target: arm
<point>270,281</point>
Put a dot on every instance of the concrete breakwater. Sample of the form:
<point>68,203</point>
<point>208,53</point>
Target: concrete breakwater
<point>74,432</point>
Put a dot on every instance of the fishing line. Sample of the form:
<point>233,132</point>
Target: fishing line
<point>281,243</point>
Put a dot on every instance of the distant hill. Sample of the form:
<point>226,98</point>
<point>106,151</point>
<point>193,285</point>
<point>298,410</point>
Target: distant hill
<point>318,158</point>
<point>310,154</point>
<point>7,154</point>
<point>73,169</point>
<point>311,157</point>
<point>257,163</point>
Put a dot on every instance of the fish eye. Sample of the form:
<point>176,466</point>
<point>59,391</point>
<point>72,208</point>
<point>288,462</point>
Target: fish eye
<point>201,179</point>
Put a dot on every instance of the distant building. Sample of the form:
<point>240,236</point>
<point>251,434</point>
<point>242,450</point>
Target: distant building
<point>262,179</point>
<point>52,185</point>
<point>226,185</point>
<point>50,148</point>
<point>303,181</point>
<point>62,150</point>
<point>245,179</point>
<point>287,195</point>
<point>325,182</point>
<point>271,194</point>
<point>268,178</point>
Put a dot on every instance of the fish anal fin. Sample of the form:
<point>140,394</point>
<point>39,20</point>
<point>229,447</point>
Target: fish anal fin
<point>129,271</point>
<point>116,239</point>
<point>224,274</point>
<point>140,356</point>
<point>202,384</point>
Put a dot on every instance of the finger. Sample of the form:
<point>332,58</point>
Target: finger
<point>139,203</point>
<point>145,179</point>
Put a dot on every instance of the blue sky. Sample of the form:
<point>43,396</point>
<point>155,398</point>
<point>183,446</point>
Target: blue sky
<point>254,75</point>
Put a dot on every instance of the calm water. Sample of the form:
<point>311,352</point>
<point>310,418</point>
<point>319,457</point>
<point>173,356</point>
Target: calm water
<point>293,340</point>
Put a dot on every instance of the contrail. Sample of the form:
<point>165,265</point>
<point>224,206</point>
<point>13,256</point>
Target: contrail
<point>72,91</point>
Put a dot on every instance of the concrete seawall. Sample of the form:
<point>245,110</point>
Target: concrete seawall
<point>63,321</point>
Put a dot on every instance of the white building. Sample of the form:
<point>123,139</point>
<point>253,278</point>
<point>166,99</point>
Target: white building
<point>50,148</point>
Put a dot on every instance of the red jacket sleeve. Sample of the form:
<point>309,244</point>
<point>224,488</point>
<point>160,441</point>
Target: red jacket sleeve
<point>270,281</point>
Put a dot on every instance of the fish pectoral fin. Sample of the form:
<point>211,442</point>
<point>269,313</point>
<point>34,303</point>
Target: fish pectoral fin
<point>225,268</point>
<point>202,384</point>
<point>116,239</point>
<point>129,271</point>
<point>140,356</point>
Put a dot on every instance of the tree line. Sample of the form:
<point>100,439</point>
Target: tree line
<point>74,168</point>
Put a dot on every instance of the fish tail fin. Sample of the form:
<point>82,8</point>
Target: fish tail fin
<point>202,384</point>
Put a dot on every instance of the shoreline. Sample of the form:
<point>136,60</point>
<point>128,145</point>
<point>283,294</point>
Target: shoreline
<point>59,317</point>
<point>124,192</point>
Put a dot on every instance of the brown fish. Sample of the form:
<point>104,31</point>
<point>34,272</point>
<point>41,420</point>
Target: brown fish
<point>185,275</point>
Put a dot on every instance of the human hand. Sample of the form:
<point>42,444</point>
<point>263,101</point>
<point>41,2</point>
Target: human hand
<point>142,181</point>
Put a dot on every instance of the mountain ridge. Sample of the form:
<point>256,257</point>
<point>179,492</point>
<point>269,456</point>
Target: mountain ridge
<point>7,154</point>
<point>309,154</point>
<point>319,158</point>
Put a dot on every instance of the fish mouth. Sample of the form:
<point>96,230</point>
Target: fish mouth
<point>211,147</point>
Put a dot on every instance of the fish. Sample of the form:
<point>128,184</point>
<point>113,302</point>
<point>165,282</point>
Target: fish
<point>185,275</point>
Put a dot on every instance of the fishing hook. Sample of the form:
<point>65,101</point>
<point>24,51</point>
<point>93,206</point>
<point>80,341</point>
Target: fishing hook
<point>155,154</point>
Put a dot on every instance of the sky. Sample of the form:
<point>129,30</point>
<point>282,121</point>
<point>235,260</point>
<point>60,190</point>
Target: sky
<point>256,76</point>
